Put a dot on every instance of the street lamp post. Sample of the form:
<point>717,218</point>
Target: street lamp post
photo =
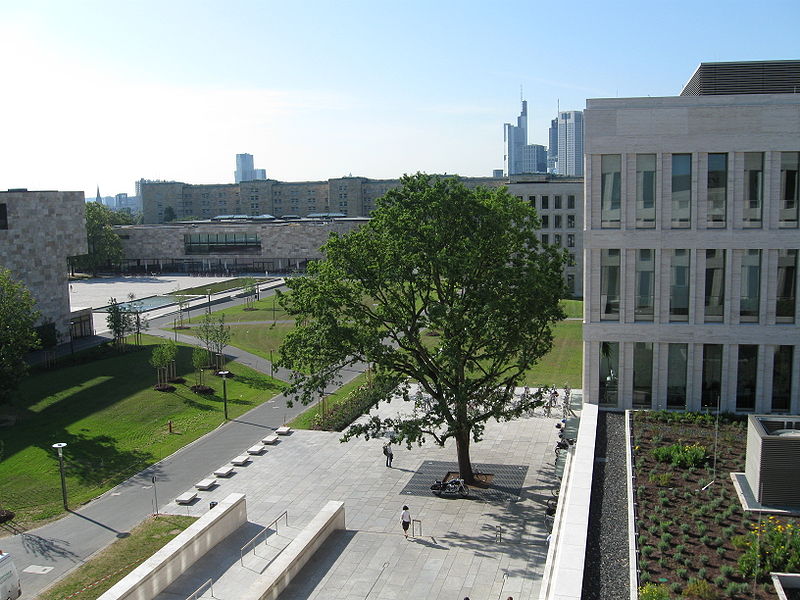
<point>208,307</point>
<point>60,449</point>
<point>71,337</point>
<point>271,366</point>
<point>224,375</point>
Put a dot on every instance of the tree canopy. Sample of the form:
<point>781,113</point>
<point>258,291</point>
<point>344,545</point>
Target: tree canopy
<point>105,246</point>
<point>17,333</point>
<point>445,286</point>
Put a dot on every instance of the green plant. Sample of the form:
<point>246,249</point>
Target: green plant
<point>647,550</point>
<point>721,551</point>
<point>740,542</point>
<point>706,540</point>
<point>651,591</point>
<point>700,589</point>
<point>678,557</point>
<point>701,572</point>
<point>662,545</point>
<point>667,537</point>
<point>720,581</point>
<point>685,527</point>
<point>644,577</point>
<point>681,455</point>
<point>703,558</point>
<point>675,587</point>
<point>727,570</point>
<point>774,545</point>
<point>683,573</point>
<point>700,528</point>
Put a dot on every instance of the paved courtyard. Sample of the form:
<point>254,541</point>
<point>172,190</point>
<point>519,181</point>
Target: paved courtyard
<point>458,553</point>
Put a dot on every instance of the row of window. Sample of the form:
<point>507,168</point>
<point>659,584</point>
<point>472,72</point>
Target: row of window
<point>558,239</point>
<point>210,243</point>
<point>719,183</point>
<point>641,386</point>
<point>715,285</point>
<point>557,221</point>
<point>544,202</point>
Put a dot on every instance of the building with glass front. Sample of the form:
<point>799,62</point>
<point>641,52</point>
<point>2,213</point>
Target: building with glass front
<point>691,246</point>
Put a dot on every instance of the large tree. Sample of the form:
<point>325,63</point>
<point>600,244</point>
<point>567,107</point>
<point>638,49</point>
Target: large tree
<point>17,333</point>
<point>105,246</point>
<point>445,286</point>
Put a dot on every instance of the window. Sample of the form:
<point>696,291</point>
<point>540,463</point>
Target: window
<point>645,281</point>
<point>545,221</point>
<point>753,188</point>
<point>717,204</point>
<point>681,191</point>
<point>609,371</point>
<point>532,201</point>
<point>571,259</point>
<point>645,191</point>
<point>746,378</point>
<point>677,360</point>
<point>570,240</point>
<point>751,286</point>
<point>571,283</point>
<point>545,238</point>
<point>557,239</point>
<point>787,284</point>
<point>557,202</point>
<point>609,285</point>
<point>570,202</point>
<point>570,221</point>
<point>642,374</point>
<point>545,202</point>
<point>782,378</point>
<point>788,208</point>
<point>610,190</point>
<point>712,375</point>
<point>679,285</point>
<point>3,217</point>
<point>556,221</point>
<point>715,285</point>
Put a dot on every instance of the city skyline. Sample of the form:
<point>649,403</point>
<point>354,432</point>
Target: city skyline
<point>107,93</point>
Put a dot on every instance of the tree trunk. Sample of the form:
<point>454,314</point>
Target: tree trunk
<point>464,463</point>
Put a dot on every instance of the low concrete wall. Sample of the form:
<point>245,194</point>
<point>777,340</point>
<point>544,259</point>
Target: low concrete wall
<point>286,565</point>
<point>151,577</point>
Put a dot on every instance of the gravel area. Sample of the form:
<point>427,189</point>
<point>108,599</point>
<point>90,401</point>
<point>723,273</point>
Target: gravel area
<point>606,574</point>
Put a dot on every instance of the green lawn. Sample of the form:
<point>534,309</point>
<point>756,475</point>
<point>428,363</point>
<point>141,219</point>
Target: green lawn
<point>264,312</point>
<point>306,418</point>
<point>220,286</point>
<point>112,564</point>
<point>573,308</point>
<point>114,423</point>
<point>564,363</point>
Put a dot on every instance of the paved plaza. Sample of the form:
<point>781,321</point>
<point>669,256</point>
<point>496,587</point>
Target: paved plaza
<point>460,551</point>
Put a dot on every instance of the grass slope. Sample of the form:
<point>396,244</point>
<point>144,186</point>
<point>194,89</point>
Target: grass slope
<point>114,423</point>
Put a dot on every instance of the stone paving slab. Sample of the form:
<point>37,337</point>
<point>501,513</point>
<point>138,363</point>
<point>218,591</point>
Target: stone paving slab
<point>458,553</point>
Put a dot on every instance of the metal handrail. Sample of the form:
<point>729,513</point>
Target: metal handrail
<point>194,596</point>
<point>284,514</point>
<point>413,523</point>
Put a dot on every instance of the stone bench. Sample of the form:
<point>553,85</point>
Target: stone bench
<point>240,460</point>
<point>224,472</point>
<point>283,430</point>
<point>257,449</point>
<point>270,439</point>
<point>205,484</point>
<point>186,498</point>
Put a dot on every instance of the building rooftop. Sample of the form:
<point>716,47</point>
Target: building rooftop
<point>749,77</point>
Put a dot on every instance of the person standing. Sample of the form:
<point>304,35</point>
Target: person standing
<point>405,520</point>
<point>387,451</point>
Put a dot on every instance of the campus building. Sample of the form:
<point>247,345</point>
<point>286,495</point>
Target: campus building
<point>691,245</point>
<point>348,196</point>
<point>38,232</point>
<point>559,203</point>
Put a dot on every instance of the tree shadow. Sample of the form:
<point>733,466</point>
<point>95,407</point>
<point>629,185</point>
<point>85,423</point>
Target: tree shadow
<point>260,383</point>
<point>51,548</point>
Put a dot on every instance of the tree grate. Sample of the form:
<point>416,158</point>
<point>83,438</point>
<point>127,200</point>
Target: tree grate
<point>506,483</point>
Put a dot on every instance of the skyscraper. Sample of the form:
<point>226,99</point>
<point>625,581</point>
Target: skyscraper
<point>515,138</point>
<point>570,143</point>
<point>245,170</point>
<point>552,151</point>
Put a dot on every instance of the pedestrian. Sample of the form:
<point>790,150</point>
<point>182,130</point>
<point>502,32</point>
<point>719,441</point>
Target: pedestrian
<point>405,520</point>
<point>387,452</point>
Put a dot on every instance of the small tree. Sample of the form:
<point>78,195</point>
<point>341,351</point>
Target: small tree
<point>17,335</point>
<point>205,333</point>
<point>138,322</point>
<point>199,360</point>
<point>249,291</point>
<point>221,336</point>
<point>120,322</point>
<point>183,302</point>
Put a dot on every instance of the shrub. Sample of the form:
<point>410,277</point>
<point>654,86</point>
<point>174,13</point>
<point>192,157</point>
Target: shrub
<point>666,537</point>
<point>721,551</point>
<point>727,571</point>
<point>685,527</point>
<point>662,545</point>
<point>703,558</point>
<point>701,573</point>
<point>740,542</point>
<point>644,576</point>
<point>675,587</point>
<point>700,589</point>
<point>647,550</point>
<point>681,455</point>
<point>651,591</point>
<point>720,581</point>
<point>356,404</point>
<point>773,546</point>
<point>683,573</point>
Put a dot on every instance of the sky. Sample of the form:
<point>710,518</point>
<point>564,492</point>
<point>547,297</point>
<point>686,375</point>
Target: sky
<point>101,93</point>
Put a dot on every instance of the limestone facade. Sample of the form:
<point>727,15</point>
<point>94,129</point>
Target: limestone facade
<point>39,232</point>
<point>690,253</point>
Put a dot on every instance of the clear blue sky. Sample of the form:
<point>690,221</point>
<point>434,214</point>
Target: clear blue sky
<point>104,92</point>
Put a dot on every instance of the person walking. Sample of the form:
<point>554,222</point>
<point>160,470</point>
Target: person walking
<point>405,520</point>
<point>387,452</point>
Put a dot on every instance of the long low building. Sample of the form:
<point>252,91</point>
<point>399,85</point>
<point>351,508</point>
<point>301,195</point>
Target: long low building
<point>234,245</point>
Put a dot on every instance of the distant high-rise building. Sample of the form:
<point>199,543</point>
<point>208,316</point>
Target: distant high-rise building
<point>515,138</point>
<point>245,170</point>
<point>570,143</point>
<point>552,151</point>
<point>534,159</point>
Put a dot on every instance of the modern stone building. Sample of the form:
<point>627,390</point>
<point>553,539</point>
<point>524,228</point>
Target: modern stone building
<point>228,246</point>
<point>691,249</point>
<point>559,202</point>
<point>570,143</point>
<point>349,196</point>
<point>38,232</point>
